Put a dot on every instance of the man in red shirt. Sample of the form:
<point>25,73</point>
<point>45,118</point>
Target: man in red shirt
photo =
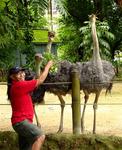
<point>30,136</point>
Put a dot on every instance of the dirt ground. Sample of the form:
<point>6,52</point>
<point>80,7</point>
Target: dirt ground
<point>109,112</point>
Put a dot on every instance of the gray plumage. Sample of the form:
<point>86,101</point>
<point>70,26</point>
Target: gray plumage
<point>90,79</point>
<point>62,75</point>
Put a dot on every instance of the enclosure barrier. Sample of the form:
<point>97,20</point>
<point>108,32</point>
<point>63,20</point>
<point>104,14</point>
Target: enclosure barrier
<point>76,124</point>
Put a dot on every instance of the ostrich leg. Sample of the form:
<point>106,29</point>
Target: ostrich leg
<point>62,112</point>
<point>86,97</point>
<point>36,117</point>
<point>95,108</point>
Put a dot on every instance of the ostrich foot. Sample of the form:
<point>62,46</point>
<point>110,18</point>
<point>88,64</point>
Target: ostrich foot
<point>82,127</point>
<point>94,130</point>
<point>60,130</point>
<point>39,125</point>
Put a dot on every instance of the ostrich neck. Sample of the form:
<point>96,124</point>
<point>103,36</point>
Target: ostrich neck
<point>37,69</point>
<point>49,45</point>
<point>96,54</point>
<point>96,59</point>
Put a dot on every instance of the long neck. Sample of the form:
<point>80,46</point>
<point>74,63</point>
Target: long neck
<point>37,64</point>
<point>37,69</point>
<point>96,53</point>
<point>49,45</point>
<point>96,59</point>
<point>51,35</point>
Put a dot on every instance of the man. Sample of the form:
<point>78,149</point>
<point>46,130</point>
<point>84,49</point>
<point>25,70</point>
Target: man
<point>30,136</point>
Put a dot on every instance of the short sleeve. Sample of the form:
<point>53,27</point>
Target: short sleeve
<point>27,86</point>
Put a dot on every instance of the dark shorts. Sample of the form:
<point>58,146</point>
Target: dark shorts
<point>27,134</point>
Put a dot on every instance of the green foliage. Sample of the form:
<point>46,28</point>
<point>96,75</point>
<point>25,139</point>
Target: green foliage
<point>75,12</point>
<point>37,10</point>
<point>70,41</point>
<point>61,5</point>
<point>7,57</point>
<point>75,41</point>
<point>118,68</point>
<point>82,142</point>
<point>9,141</point>
<point>16,22</point>
<point>105,37</point>
<point>38,7</point>
<point>7,28</point>
<point>49,56</point>
<point>39,22</point>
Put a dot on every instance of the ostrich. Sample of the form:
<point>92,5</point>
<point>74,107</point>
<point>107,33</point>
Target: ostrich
<point>62,75</point>
<point>51,36</point>
<point>94,76</point>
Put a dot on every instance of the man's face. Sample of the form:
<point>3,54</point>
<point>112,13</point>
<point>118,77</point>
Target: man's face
<point>20,76</point>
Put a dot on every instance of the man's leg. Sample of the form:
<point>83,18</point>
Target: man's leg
<point>34,135</point>
<point>23,143</point>
<point>38,143</point>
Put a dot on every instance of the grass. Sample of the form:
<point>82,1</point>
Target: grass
<point>82,142</point>
<point>8,141</point>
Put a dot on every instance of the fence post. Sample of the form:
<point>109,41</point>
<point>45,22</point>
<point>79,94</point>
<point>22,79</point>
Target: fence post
<point>76,107</point>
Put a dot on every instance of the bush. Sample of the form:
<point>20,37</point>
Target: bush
<point>8,141</point>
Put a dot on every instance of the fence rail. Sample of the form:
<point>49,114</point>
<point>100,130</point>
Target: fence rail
<point>71,104</point>
<point>59,83</point>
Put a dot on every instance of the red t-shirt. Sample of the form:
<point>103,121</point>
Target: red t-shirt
<point>21,102</point>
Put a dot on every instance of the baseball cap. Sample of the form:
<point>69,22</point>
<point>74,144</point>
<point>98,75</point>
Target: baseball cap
<point>15,70</point>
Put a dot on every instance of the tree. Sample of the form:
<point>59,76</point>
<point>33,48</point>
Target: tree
<point>74,15</point>
<point>105,37</point>
<point>17,20</point>
<point>27,10</point>
<point>7,26</point>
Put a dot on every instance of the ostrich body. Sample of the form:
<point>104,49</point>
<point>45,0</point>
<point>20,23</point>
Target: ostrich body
<point>95,75</point>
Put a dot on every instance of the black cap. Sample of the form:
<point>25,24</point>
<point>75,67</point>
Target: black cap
<point>15,70</point>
